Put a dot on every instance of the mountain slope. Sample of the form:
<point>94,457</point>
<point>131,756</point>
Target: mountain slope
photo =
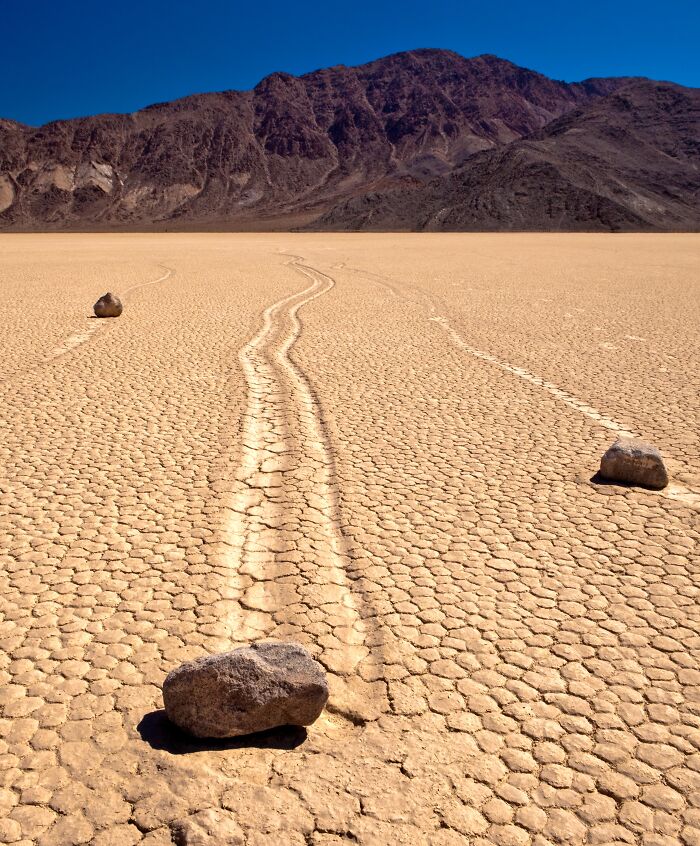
<point>420,140</point>
<point>628,161</point>
<point>286,152</point>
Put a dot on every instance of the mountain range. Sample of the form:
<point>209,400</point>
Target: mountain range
<point>421,140</point>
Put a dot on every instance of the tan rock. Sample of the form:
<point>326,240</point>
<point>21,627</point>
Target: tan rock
<point>250,689</point>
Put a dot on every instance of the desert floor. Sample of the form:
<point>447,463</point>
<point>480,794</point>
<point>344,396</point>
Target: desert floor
<point>381,446</point>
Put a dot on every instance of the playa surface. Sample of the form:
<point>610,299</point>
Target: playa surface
<point>381,446</point>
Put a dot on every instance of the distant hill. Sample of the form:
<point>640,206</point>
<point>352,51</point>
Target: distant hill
<point>419,140</point>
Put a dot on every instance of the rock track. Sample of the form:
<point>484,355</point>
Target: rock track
<point>515,652</point>
<point>687,495</point>
<point>281,522</point>
<point>75,339</point>
<point>78,338</point>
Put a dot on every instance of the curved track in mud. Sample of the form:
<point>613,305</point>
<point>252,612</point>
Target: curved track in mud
<point>534,639</point>
<point>287,550</point>
<point>687,496</point>
<point>78,338</point>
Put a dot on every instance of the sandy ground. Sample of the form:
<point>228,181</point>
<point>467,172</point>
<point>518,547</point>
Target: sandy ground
<point>381,446</point>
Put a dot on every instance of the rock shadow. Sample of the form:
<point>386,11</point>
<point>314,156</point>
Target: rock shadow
<point>157,730</point>
<point>601,481</point>
<point>597,479</point>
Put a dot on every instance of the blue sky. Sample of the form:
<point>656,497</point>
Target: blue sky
<point>64,58</point>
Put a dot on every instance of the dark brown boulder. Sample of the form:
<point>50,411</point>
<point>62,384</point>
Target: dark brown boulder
<point>634,462</point>
<point>250,689</point>
<point>108,306</point>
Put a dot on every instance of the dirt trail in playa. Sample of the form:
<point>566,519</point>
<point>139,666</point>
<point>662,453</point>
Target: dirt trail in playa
<point>381,446</point>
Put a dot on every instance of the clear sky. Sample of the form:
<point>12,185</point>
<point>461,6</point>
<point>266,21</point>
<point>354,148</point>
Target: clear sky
<point>64,58</point>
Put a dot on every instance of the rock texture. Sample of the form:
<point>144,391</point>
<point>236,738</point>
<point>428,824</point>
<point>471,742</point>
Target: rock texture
<point>247,690</point>
<point>108,306</point>
<point>634,462</point>
<point>425,139</point>
<point>628,161</point>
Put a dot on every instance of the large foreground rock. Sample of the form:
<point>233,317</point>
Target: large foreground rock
<point>634,462</point>
<point>108,306</point>
<point>250,689</point>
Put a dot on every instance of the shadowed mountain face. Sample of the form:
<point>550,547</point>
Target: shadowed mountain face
<point>629,161</point>
<point>419,140</point>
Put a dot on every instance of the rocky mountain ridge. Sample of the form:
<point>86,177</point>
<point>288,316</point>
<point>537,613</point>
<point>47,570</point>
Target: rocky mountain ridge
<point>420,140</point>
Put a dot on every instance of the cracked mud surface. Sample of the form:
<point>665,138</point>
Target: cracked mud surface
<point>381,446</point>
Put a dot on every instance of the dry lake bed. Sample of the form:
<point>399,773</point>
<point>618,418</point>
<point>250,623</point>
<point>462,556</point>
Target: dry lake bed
<point>380,446</point>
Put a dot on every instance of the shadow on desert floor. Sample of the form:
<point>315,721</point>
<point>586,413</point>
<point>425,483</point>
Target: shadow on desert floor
<point>157,730</point>
<point>601,482</point>
<point>597,479</point>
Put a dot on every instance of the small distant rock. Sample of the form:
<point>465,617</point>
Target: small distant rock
<point>108,306</point>
<point>634,462</point>
<point>247,690</point>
